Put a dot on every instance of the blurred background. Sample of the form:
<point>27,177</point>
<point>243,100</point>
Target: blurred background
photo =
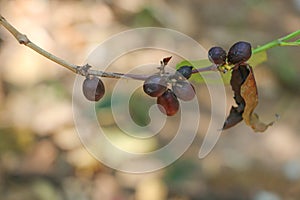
<point>41,157</point>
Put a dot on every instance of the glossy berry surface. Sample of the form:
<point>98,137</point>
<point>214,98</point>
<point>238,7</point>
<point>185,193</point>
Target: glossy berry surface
<point>185,71</point>
<point>155,85</point>
<point>239,52</point>
<point>168,102</point>
<point>184,90</point>
<point>93,89</point>
<point>217,55</point>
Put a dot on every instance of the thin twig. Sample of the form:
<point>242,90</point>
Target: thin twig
<point>85,70</point>
<point>22,39</point>
<point>279,42</point>
<point>205,69</point>
<point>81,70</point>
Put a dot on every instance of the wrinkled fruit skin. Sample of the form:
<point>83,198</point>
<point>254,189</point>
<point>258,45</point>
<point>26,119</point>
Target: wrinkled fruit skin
<point>185,71</point>
<point>217,55</point>
<point>168,102</point>
<point>239,52</point>
<point>155,85</point>
<point>184,90</point>
<point>93,89</point>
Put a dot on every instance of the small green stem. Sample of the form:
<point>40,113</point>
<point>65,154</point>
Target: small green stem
<point>290,43</point>
<point>290,36</point>
<point>279,42</point>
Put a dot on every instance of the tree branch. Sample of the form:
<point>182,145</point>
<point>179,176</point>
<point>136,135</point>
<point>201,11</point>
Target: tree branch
<point>22,39</point>
<point>81,70</point>
<point>86,69</point>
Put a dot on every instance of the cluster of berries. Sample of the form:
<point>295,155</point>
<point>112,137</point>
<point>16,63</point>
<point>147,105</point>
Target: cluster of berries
<point>238,53</point>
<point>168,88</point>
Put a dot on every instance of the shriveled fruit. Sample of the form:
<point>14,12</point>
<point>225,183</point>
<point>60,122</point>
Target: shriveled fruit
<point>155,85</point>
<point>217,55</point>
<point>185,71</point>
<point>93,88</point>
<point>239,52</point>
<point>184,90</point>
<point>168,102</point>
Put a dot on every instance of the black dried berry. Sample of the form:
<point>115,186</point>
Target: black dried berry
<point>93,88</point>
<point>184,90</point>
<point>168,102</point>
<point>185,71</point>
<point>217,55</point>
<point>155,85</point>
<point>239,52</point>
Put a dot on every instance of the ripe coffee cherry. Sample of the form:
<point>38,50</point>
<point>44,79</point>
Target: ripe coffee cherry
<point>239,52</point>
<point>185,71</point>
<point>93,88</point>
<point>184,90</point>
<point>168,102</point>
<point>155,85</point>
<point>217,55</point>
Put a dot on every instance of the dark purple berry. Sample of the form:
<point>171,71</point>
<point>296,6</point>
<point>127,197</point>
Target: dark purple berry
<point>93,88</point>
<point>155,85</point>
<point>217,55</point>
<point>239,52</point>
<point>168,102</point>
<point>185,71</point>
<point>184,90</point>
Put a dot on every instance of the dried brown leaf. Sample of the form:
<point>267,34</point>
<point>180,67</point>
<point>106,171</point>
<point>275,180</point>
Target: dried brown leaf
<point>238,77</point>
<point>234,118</point>
<point>249,94</point>
<point>245,94</point>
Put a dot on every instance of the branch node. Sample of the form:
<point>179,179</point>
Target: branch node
<point>83,70</point>
<point>23,39</point>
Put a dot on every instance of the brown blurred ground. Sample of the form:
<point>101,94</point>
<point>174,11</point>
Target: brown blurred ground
<point>40,154</point>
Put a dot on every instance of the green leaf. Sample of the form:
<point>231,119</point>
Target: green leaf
<point>256,59</point>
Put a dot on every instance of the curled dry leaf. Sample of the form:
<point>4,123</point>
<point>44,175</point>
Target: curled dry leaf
<point>238,77</point>
<point>245,94</point>
<point>249,93</point>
